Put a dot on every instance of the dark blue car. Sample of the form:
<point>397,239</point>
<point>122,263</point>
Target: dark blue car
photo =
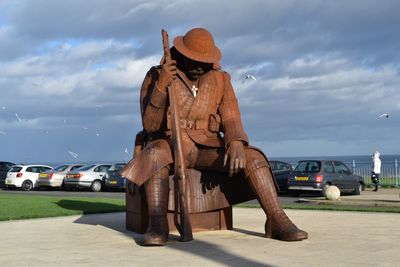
<point>4,168</point>
<point>112,179</point>
<point>281,171</point>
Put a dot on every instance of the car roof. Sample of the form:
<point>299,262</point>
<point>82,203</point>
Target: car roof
<point>280,161</point>
<point>32,165</point>
<point>321,160</point>
<point>94,165</point>
<point>68,164</point>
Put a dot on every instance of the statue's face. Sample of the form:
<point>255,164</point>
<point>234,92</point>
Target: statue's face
<point>194,69</point>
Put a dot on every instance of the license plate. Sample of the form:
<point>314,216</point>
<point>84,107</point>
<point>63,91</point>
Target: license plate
<point>8,182</point>
<point>43,175</point>
<point>301,178</point>
<point>113,182</point>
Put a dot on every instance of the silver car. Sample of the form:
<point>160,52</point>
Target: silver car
<point>55,178</point>
<point>89,176</point>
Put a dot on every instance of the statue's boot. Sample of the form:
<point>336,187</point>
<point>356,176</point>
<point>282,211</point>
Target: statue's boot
<point>278,225</point>
<point>157,191</point>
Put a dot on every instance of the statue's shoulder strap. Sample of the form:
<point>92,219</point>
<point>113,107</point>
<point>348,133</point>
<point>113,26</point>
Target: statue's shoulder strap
<point>220,76</point>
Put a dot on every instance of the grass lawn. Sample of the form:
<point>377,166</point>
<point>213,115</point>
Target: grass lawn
<point>15,207</point>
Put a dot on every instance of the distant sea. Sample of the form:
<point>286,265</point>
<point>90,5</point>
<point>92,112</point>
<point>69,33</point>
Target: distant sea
<point>387,160</point>
<point>357,159</point>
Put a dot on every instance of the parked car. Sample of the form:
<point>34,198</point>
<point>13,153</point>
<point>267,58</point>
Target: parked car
<point>4,168</point>
<point>55,177</point>
<point>24,176</point>
<point>88,176</point>
<point>112,179</point>
<point>281,171</point>
<point>316,175</point>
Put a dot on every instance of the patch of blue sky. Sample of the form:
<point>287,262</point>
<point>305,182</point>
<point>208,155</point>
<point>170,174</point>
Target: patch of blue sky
<point>51,45</point>
<point>3,21</point>
<point>103,66</point>
<point>5,12</point>
<point>135,43</point>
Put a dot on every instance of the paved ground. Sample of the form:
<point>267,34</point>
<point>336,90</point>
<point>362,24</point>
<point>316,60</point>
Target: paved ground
<point>335,239</point>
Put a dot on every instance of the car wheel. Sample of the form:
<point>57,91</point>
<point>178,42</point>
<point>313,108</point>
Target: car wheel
<point>63,186</point>
<point>95,186</point>
<point>27,185</point>
<point>358,189</point>
<point>67,188</point>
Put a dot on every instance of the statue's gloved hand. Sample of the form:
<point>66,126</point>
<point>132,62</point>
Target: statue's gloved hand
<point>235,155</point>
<point>167,74</point>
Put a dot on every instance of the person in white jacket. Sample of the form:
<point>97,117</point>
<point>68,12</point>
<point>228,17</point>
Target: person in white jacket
<point>376,168</point>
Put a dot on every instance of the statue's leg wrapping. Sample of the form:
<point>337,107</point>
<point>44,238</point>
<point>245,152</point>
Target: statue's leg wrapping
<point>157,192</point>
<point>278,225</point>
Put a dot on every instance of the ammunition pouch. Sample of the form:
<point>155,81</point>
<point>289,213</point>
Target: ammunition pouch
<point>212,124</point>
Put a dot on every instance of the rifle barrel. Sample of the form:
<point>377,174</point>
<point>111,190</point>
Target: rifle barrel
<point>184,226</point>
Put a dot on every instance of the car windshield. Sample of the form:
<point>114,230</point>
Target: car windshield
<point>279,166</point>
<point>85,168</point>
<point>116,167</point>
<point>15,169</point>
<point>76,167</point>
<point>308,166</point>
<point>60,168</point>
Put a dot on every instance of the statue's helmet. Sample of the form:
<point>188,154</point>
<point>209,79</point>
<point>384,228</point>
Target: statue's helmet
<point>198,44</point>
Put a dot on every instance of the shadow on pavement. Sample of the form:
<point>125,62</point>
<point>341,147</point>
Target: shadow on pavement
<point>247,232</point>
<point>215,253</point>
<point>200,248</point>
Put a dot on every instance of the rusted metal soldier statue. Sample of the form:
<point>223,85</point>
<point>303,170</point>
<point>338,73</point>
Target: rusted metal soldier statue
<point>212,135</point>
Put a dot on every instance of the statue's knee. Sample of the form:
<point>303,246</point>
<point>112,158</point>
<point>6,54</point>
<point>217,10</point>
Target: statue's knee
<point>255,160</point>
<point>158,150</point>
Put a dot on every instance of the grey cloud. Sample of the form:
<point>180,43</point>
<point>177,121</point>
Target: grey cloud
<point>325,70</point>
<point>267,29</point>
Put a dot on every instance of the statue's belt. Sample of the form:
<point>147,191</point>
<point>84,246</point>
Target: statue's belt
<point>209,124</point>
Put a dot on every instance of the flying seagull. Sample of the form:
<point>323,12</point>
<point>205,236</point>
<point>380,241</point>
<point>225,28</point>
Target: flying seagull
<point>126,150</point>
<point>73,154</point>
<point>3,108</point>
<point>247,77</point>
<point>384,115</point>
<point>19,119</point>
<point>97,134</point>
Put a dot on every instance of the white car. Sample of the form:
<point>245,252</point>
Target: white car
<point>56,176</point>
<point>89,176</point>
<point>24,176</point>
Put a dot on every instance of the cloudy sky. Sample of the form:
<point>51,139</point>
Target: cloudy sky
<point>70,73</point>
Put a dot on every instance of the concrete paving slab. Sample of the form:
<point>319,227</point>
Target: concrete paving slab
<point>335,239</point>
